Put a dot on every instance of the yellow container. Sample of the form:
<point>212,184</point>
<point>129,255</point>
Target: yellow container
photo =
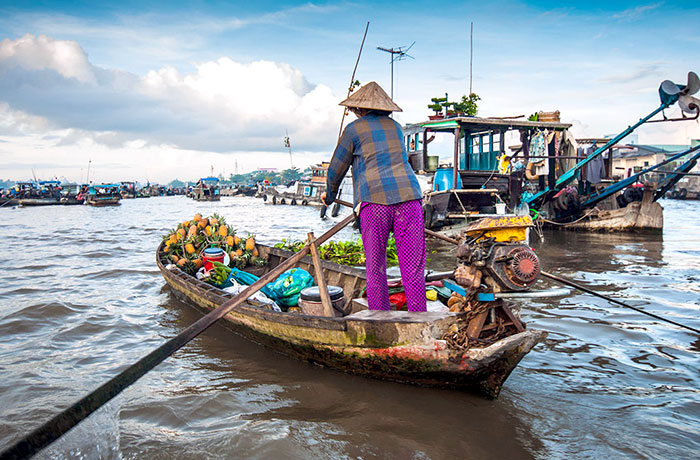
<point>504,229</point>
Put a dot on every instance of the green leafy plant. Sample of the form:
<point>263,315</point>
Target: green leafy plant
<point>467,105</point>
<point>343,252</point>
<point>438,104</point>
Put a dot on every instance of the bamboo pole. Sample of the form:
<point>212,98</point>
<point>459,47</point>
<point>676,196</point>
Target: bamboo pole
<point>320,280</point>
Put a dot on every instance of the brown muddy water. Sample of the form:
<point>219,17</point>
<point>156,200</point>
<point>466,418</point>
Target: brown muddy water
<point>81,298</point>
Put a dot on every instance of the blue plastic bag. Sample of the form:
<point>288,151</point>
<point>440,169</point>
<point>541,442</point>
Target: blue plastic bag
<point>287,288</point>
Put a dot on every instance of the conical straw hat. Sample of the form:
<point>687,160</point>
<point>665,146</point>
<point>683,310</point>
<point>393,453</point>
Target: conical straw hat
<point>371,96</point>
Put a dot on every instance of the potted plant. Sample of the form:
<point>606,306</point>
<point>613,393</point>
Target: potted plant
<point>437,107</point>
<point>467,106</point>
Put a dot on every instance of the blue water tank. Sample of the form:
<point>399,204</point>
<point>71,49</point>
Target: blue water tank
<point>442,180</point>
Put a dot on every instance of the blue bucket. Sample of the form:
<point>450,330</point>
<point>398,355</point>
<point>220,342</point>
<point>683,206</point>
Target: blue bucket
<point>442,180</point>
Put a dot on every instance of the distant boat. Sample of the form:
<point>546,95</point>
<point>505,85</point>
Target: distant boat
<point>103,195</point>
<point>207,189</point>
<point>41,193</point>
<point>72,194</point>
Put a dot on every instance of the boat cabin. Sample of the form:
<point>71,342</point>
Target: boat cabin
<point>313,188</point>
<point>207,189</point>
<point>486,180</point>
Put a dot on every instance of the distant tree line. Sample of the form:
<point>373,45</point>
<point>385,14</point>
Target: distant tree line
<point>254,177</point>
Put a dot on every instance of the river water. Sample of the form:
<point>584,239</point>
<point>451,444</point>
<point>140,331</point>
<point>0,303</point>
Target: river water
<point>81,298</point>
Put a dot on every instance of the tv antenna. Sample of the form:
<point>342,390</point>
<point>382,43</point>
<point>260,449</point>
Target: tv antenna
<point>397,54</point>
<point>288,144</point>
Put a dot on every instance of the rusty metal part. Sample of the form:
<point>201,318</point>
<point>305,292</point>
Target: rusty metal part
<point>523,266</point>
<point>468,276</point>
<point>512,267</point>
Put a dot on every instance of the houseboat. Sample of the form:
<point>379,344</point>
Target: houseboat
<point>480,185</point>
<point>546,174</point>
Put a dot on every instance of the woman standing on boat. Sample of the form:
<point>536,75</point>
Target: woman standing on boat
<point>387,196</point>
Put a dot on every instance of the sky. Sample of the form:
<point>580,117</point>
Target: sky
<point>153,91</point>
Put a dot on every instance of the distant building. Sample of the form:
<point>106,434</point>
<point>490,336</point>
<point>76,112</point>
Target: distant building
<point>319,172</point>
<point>629,159</point>
<point>267,170</point>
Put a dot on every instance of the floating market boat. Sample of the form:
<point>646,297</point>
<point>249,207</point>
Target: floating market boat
<point>41,193</point>
<point>207,189</point>
<point>391,345</point>
<point>306,191</point>
<point>103,195</point>
<point>127,190</point>
<point>546,174</point>
<point>72,194</point>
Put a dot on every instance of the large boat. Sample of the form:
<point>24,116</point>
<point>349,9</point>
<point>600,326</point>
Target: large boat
<point>40,193</point>
<point>391,345</point>
<point>103,195</point>
<point>545,174</point>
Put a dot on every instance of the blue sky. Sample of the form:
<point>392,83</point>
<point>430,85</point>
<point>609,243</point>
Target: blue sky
<point>166,90</point>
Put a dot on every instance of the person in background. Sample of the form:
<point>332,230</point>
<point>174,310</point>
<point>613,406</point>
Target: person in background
<point>387,196</point>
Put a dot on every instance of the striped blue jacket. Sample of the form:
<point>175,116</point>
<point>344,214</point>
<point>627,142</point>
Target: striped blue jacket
<point>373,145</point>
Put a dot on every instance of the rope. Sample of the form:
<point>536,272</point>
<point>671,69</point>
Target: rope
<point>590,211</point>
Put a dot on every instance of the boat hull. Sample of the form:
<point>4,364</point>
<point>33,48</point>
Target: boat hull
<point>100,202</point>
<point>396,346</point>
<point>38,201</point>
<point>639,216</point>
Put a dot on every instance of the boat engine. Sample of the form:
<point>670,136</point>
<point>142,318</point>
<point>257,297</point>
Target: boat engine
<point>496,254</point>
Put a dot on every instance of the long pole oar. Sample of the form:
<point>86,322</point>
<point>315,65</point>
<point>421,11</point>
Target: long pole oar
<point>61,423</point>
<point>345,110</point>
<point>617,302</point>
<point>352,79</point>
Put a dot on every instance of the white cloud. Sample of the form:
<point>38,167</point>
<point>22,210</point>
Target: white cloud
<point>39,53</point>
<point>223,106</point>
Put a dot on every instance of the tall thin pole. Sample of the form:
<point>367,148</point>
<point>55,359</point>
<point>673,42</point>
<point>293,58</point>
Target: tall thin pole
<point>87,179</point>
<point>471,55</point>
<point>392,75</point>
<point>289,146</point>
<point>352,79</point>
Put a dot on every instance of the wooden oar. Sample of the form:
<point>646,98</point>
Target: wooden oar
<point>610,299</point>
<point>59,424</point>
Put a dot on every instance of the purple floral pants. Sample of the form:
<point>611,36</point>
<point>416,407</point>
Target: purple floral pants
<point>406,221</point>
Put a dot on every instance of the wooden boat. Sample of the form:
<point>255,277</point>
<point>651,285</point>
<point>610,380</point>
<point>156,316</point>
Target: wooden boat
<point>390,345</point>
<point>639,216</point>
<point>103,195</point>
<point>38,201</point>
<point>207,189</point>
<point>72,194</point>
<point>41,193</point>
<point>8,201</point>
